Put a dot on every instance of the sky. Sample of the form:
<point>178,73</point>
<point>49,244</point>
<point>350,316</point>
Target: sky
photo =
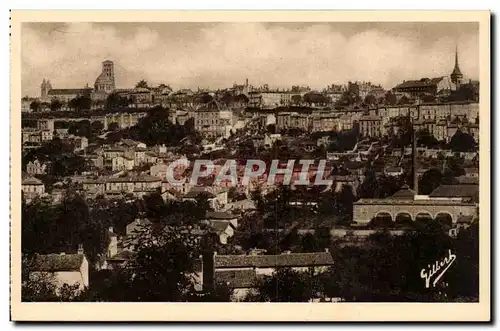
<point>217,55</point>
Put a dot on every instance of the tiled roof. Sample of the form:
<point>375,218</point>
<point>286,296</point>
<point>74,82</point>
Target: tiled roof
<point>457,191</point>
<point>237,278</point>
<point>195,193</point>
<point>419,83</point>
<point>124,255</point>
<point>219,226</point>
<point>467,180</point>
<point>273,261</point>
<point>31,181</point>
<point>404,193</point>
<point>57,262</point>
<point>144,178</point>
<point>219,215</point>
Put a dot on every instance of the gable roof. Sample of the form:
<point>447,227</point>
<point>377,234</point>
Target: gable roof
<point>58,262</point>
<point>220,226</point>
<point>404,193</point>
<point>31,181</point>
<point>274,261</point>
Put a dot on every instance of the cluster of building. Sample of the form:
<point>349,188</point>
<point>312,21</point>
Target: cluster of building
<point>131,169</point>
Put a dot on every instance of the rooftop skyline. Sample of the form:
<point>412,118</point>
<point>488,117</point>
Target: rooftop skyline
<point>216,55</point>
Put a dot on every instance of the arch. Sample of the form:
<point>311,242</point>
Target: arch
<point>404,219</point>
<point>382,219</point>
<point>444,218</point>
<point>383,213</point>
<point>423,217</point>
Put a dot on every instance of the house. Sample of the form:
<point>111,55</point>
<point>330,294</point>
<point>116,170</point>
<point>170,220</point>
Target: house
<point>223,229</point>
<point>32,188</point>
<point>218,198</point>
<point>241,282</point>
<point>222,216</point>
<point>57,195</point>
<point>119,260</point>
<point>36,168</point>
<point>71,269</point>
<point>136,185</point>
<point>122,163</point>
<point>241,272</point>
<point>80,143</point>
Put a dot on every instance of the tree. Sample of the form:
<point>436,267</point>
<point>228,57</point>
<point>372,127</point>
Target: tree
<point>55,105</point>
<point>241,99</point>
<point>404,100</point>
<point>296,99</point>
<point>204,98</point>
<point>142,84</point>
<point>60,154</point>
<point>368,189</point>
<point>424,138</point>
<point>161,270</point>
<point>285,285</point>
<point>113,126</point>
<point>370,99</point>
<point>428,98</point>
<point>115,100</point>
<point>345,200</point>
<point>430,180</point>
<point>390,98</point>
<point>462,142</point>
<point>309,243</point>
<point>315,98</point>
<point>35,105</point>
<point>454,167</point>
<point>80,102</point>
<point>271,128</point>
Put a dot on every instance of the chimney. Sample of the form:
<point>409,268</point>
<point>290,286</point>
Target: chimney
<point>327,250</point>
<point>110,229</point>
<point>414,166</point>
<point>208,265</point>
<point>80,249</point>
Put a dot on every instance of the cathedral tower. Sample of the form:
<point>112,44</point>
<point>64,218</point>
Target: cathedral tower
<point>456,75</point>
<point>106,80</point>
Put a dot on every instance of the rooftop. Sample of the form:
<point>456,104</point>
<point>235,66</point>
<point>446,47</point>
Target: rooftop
<point>273,261</point>
<point>58,262</point>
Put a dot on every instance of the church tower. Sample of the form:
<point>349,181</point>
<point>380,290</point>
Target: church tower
<point>456,75</point>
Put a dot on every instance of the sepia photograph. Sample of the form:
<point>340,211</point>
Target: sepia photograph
<point>319,161</point>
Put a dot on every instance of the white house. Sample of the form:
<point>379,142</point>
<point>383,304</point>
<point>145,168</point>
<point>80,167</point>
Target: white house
<point>62,268</point>
<point>32,187</point>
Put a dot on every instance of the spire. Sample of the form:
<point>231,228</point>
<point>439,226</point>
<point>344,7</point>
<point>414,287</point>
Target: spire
<point>456,70</point>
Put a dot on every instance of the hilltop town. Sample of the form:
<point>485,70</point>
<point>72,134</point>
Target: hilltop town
<point>102,222</point>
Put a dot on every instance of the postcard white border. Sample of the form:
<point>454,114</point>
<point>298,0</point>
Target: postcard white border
<point>251,311</point>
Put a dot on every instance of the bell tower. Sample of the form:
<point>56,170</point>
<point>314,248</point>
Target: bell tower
<point>456,75</point>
